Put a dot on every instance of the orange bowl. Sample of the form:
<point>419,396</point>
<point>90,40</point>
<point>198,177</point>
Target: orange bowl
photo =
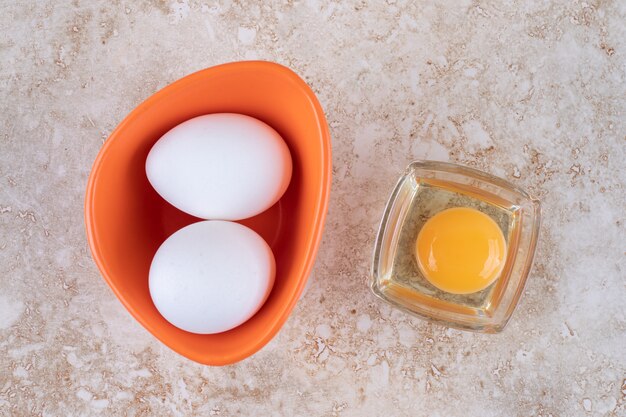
<point>127,220</point>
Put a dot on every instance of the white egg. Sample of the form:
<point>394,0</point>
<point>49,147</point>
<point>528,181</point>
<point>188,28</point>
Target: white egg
<point>211,276</point>
<point>220,166</point>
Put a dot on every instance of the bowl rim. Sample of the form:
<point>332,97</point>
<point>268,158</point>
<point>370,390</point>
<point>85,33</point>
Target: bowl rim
<point>321,203</point>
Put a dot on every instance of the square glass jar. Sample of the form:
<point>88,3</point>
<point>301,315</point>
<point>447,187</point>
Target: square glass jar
<point>425,189</point>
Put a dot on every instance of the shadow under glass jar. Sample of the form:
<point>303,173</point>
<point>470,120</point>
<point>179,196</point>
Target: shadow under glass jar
<point>425,189</point>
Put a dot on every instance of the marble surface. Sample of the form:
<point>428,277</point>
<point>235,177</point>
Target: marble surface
<point>533,91</point>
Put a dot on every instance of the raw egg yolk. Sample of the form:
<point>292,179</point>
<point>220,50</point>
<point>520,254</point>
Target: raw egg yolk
<point>460,250</point>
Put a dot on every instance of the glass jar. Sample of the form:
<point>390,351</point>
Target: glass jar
<point>425,189</point>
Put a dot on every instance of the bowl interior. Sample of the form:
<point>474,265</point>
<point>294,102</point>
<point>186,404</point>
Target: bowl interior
<point>127,220</point>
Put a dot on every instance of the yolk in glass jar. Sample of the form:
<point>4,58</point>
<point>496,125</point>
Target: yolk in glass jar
<point>460,250</point>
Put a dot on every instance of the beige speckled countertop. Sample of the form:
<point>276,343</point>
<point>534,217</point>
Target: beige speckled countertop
<point>534,91</point>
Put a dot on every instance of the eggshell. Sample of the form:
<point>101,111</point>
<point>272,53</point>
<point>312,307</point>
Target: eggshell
<point>211,276</point>
<point>221,166</point>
